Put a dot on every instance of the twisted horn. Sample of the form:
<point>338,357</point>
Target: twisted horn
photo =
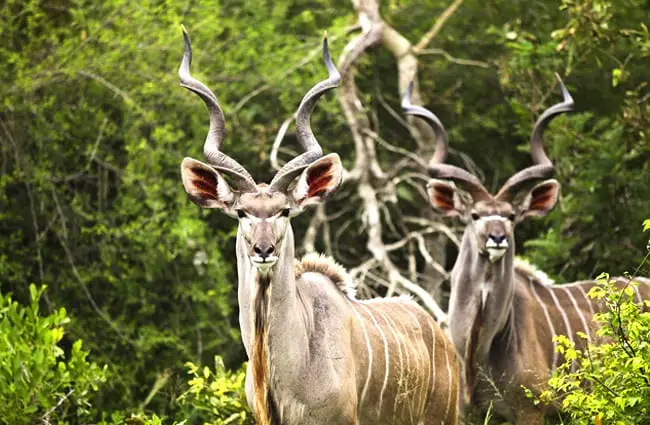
<point>219,160</point>
<point>313,150</point>
<point>543,168</point>
<point>436,168</point>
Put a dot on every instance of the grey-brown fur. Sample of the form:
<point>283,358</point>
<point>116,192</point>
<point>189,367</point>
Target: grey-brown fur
<point>316,340</point>
<point>317,355</point>
<point>518,350</point>
<point>502,318</point>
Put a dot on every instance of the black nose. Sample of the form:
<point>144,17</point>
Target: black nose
<point>263,250</point>
<point>498,237</point>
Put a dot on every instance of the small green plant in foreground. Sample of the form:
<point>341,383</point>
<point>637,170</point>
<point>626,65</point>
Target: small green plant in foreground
<point>219,395</point>
<point>611,384</point>
<point>40,382</point>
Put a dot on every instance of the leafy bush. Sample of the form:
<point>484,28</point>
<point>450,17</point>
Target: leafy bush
<point>119,418</point>
<point>612,383</point>
<point>40,381</point>
<point>219,395</point>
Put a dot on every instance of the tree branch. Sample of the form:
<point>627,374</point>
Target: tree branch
<point>437,26</point>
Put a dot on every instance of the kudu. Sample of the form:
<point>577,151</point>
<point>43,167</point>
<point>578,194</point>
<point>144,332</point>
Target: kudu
<point>502,315</point>
<point>317,355</point>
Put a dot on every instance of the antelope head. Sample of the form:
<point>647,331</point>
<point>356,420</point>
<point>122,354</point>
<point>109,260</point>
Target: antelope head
<point>263,210</point>
<point>491,218</point>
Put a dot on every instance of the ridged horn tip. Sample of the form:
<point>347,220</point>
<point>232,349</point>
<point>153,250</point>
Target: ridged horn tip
<point>406,100</point>
<point>186,37</point>
<point>566,96</point>
<point>331,68</point>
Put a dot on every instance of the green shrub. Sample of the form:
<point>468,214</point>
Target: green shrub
<point>40,382</point>
<point>218,396</point>
<point>612,383</point>
<point>120,418</point>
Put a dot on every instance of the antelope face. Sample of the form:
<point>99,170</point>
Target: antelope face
<point>263,222</point>
<point>491,221</point>
<point>263,210</point>
<point>491,218</point>
<point>492,224</point>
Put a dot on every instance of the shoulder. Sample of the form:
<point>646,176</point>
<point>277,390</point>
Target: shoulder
<point>528,270</point>
<point>327,267</point>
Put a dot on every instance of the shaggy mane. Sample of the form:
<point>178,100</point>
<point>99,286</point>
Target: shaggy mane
<point>526,268</point>
<point>326,266</point>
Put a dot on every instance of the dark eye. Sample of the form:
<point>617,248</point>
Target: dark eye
<point>241,213</point>
<point>511,217</point>
<point>475,216</point>
<point>286,212</point>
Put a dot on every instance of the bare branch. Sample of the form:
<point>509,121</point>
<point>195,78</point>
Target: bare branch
<point>112,87</point>
<point>452,59</point>
<point>46,416</point>
<point>32,209</point>
<point>374,188</point>
<point>317,221</point>
<point>93,152</point>
<point>89,296</point>
<point>278,141</point>
<point>313,53</point>
<point>418,160</point>
<point>437,26</point>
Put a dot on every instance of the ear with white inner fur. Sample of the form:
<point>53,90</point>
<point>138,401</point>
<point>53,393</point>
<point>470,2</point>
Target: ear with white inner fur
<point>540,199</point>
<point>445,198</point>
<point>205,186</point>
<point>318,181</point>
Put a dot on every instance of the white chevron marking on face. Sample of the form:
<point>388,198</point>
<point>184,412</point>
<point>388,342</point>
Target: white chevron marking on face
<point>493,217</point>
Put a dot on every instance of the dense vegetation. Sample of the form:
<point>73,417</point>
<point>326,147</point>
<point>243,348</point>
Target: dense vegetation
<point>611,382</point>
<point>139,281</point>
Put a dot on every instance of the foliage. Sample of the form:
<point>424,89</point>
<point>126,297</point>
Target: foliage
<point>218,394</point>
<point>44,377</point>
<point>602,150</point>
<point>611,383</point>
<point>119,418</point>
<point>93,126</point>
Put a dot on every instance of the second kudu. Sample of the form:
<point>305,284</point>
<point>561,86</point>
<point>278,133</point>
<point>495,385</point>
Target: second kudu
<point>502,316</point>
<point>317,355</point>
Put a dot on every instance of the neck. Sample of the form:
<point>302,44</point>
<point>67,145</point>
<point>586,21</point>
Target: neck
<point>277,287</point>
<point>482,294</point>
<point>267,302</point>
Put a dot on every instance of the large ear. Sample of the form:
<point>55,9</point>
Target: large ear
<point>539,200</point>
<point>445,198</point>
<point>318,181</point>
<point>205,186</point>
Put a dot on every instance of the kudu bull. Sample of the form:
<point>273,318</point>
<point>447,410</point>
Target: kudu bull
<point>317,355</point>
<point>503,316</point>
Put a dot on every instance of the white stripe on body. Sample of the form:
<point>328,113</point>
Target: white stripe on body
<point>408,372</point>
<point>564,317</point>
<point>579,310</point>
<point>638,294</point>
<point>584,294</point>
<point>369,347</point>
<point>383,338</point>
<point>433,359</point>
<point>449,378</point>
<point>423,357</point>
<point>562,311</point>
<point>398,341</point>
<point>550,323</point>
